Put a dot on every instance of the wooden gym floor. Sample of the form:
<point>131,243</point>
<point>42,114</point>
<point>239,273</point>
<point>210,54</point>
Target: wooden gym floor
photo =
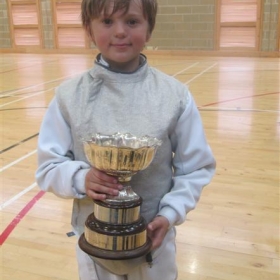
<point>234,232</point>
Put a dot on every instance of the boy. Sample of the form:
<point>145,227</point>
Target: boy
<point>121,93</point>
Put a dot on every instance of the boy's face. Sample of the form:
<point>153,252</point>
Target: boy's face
<point>121,37</point>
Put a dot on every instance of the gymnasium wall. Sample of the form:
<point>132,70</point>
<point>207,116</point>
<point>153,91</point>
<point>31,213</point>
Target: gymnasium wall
<point>185,25</point>
<point>5,41</point>
<point>270,26</point>
<point>182,25</point>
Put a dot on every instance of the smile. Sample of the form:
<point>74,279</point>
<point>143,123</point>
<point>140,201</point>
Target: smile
<point>120,45</point>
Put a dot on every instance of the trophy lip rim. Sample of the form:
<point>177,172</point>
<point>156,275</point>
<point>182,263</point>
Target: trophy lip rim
<point>156,142</point>
<point>120,147</point>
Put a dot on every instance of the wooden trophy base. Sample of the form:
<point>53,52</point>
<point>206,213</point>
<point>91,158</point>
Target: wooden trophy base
<point>114,255</point>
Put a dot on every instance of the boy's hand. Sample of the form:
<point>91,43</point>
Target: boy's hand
<point>98,185</point>
<point>157,230</point>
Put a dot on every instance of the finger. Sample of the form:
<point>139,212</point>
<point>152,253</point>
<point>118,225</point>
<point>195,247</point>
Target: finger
<point>96,178</point>
<point>152,226</point>
<point>96,196</point>
<point>158,222</point>
<point>94,188</point>
<point>105,180</point>
<point>102,176</point>
<point>156,231</point>
<point>156,241</point>
<point>103,186</point>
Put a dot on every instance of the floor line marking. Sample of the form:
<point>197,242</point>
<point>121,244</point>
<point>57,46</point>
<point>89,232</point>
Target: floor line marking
<point>14,198</point>
<point>189,81</point>
<point>8,230</point>
<point>182,71</point>
<point>8,95</point>
<point>32,64</point>
<point>239,98</point>
<point>18,160</point>
<point>11,92</point>
<point>18,143</point>
<point>236,109</point>
<point>44,83</point>
<point>9,103</point>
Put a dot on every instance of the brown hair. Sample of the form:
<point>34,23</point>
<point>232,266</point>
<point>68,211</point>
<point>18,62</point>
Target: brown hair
<point>92,9</point>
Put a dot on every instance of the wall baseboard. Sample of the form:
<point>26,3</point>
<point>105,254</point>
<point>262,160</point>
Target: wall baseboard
<point>221,53</point>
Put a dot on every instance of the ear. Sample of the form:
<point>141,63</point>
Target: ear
<point>148,37</point>
<point>90,33</point>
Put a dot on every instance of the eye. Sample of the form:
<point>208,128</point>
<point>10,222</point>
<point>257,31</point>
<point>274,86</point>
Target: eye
<point>132,22</point>
<point>107,21</point>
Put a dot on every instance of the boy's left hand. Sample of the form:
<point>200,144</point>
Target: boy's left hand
<point>157,230</point>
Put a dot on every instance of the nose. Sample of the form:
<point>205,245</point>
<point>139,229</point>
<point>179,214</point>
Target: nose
<point>120,30</point>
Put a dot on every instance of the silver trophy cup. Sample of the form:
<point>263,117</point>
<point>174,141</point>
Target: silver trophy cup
<point>115,230</point>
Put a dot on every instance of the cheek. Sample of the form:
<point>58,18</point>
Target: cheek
<point>140,39</point>
<point>101,39</point>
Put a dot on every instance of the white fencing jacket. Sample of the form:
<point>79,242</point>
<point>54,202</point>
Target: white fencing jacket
<point>145,102</point>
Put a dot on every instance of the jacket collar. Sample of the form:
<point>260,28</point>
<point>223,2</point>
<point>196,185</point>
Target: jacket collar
<point>102,71</point>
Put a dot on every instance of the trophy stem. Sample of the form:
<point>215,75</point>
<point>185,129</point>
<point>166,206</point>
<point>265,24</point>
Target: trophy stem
<point>125,178</point>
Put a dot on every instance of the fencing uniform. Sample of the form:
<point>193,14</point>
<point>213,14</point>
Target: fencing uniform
<point>144,102</point>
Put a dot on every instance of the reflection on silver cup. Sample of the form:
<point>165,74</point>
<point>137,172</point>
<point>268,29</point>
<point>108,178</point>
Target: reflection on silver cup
<point>115,229</point>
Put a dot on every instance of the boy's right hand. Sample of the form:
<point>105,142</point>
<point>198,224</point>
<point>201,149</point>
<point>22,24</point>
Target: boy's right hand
<point>98,185</point>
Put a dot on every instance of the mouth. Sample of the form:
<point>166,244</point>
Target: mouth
<point>120,45</point>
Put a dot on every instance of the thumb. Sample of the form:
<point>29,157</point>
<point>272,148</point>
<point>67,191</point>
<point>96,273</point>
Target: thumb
<point>153,225</point>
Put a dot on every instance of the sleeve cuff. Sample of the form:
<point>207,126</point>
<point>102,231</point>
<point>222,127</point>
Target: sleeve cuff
<point>79,181</point>
<point>170,214</point>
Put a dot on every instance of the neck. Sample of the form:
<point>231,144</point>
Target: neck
<point>127,67</point>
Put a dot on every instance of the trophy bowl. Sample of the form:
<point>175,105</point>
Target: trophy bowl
<point>115,229</point>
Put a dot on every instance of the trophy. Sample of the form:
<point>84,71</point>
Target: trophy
<point>116,230</point>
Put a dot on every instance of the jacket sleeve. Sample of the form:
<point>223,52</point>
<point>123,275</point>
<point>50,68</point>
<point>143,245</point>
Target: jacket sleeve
<point>58,171</point>
<point>193,164</point>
